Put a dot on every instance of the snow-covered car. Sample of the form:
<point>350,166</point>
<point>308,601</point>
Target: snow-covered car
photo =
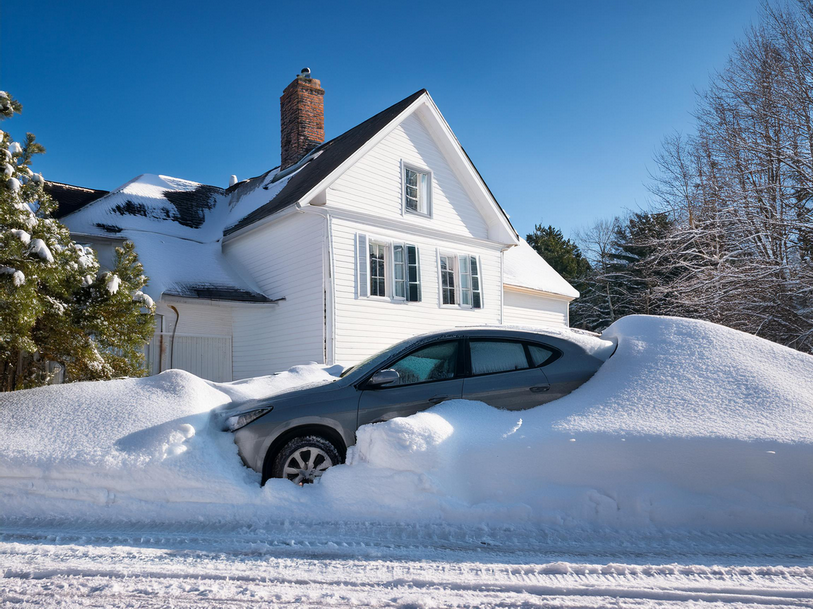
<point>299,434</point>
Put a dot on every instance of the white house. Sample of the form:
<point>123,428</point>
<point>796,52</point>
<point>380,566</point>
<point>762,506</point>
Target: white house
<point>349,246</point>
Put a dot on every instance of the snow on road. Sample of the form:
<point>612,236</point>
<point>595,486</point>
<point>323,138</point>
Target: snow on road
<point>679,475</point>
<point>343,565</point>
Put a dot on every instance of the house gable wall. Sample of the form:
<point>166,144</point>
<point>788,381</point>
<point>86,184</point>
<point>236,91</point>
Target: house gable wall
<point>373,185</point>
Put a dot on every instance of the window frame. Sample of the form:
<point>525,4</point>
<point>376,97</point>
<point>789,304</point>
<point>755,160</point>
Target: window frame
<point>468,371</point>
<point>385,247</point>
<point>364,274</point>
<point>453,258</point>
<point>428,204</point>
<point>457,260</point>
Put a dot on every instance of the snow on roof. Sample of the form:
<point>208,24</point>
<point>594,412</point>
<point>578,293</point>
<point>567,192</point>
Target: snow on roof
<point>70,197</point>
<point>526,269</point>
<point>154,203</point>
<point>176,226</point>
<point>180,267</point>
<point>173,207</point>
<point>247,197</point>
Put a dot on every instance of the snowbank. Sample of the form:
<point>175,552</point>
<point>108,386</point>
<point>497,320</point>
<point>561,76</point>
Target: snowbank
<point>141,448</point>
<point>688,425</point>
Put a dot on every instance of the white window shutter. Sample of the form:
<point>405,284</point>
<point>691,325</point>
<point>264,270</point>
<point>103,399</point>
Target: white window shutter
<point>362,264</point>
<point>464,279</point>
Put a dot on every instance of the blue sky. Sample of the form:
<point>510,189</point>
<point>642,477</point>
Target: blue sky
<point>561,105</point>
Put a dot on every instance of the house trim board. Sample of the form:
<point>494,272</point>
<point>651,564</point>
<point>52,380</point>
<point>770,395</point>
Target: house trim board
<point>533,292</point>
<point>397,225</point>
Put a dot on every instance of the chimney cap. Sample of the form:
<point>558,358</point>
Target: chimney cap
<point>305,73</point>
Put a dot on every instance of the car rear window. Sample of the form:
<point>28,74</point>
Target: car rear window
<point>539,354</point>
<point>490,356</point>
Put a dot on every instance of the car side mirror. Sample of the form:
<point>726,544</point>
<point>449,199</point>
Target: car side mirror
<point>384,377</point>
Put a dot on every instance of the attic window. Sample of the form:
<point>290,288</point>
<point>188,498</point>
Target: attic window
<point>417,191</point>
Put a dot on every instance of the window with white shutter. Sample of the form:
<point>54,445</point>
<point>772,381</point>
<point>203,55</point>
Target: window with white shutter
<point>460,280</point>
<point>387,269</point>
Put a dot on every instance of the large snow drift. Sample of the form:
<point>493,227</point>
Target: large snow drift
<point>688,425</point>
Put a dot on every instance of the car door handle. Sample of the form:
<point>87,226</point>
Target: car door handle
<point>439,398</point>
<point>540,388</point>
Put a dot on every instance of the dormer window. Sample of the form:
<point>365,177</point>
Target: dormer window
<point>417,191</point>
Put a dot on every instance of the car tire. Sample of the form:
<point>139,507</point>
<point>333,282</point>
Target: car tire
<point>303,460</point>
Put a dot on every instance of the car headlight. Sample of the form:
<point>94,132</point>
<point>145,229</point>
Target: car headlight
<point>244,418</point>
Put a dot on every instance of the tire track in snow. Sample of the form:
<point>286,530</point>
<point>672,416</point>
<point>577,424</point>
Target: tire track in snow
<point>48,575</point>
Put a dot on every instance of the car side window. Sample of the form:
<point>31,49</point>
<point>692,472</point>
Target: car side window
<point>434,362</point>
<point>539,354</point>
<point>490,356</point>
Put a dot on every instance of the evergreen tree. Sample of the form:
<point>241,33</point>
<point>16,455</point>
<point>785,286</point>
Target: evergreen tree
<point>56,305</point>
<point>562,254</point>
<point>640,266</point>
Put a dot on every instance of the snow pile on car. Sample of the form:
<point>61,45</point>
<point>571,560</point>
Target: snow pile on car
<point>687,425</point>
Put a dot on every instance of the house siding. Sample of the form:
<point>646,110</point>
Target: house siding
<point>523,309</point>
<point>202,319</point>
<point>285,260</point>
<point>364,326</point>
<point>198,340</point>
<point>373,184</point>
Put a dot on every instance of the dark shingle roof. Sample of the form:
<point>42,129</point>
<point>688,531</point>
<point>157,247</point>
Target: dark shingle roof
<point>69,198</point>
<point>332,154</point>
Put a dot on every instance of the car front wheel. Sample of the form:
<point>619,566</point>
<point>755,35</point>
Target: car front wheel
<point>303,460</point>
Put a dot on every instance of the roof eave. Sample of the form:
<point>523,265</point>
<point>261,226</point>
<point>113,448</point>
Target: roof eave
<point>278,215</point>
<point>539,292</point>
<point>362,150</point>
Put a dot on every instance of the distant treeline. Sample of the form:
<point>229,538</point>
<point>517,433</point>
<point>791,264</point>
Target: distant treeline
<point>728,233</point>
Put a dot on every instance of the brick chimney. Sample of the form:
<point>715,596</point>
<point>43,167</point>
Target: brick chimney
<point>302,118</point>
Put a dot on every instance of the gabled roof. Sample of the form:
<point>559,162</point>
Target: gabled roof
<point>162,213</point>
<point>321,163</point>
<point>525,268</point>
<point>262,196</point>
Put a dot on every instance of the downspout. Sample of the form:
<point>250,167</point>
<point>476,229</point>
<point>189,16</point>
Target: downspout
<point>331,294</point>
<point>502,287</point>
<point>174,330</point>
<point>330,284</point>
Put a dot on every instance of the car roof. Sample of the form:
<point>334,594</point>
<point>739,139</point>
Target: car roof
<point>589,342</point>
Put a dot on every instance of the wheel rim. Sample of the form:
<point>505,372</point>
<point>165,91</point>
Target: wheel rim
<point>306,465</point>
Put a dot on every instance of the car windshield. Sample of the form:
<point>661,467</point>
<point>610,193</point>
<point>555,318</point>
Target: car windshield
<point>389,350</point>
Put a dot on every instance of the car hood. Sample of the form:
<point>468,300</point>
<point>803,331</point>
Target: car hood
<point>283,399</point>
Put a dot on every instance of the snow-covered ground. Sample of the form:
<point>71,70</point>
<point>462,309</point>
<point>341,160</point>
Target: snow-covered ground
<point>682,472</point>
<point>340,564</point>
